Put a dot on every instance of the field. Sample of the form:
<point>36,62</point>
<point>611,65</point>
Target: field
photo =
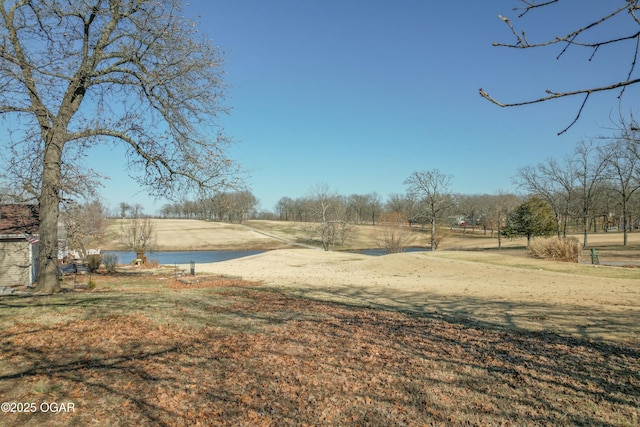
<point>299,336</point>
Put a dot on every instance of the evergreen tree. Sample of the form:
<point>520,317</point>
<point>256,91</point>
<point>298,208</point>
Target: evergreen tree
<point>532,218</point>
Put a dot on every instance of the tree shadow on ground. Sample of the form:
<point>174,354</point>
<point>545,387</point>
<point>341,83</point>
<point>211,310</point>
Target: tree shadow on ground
<point>251,356</point>
<point>619,326</point>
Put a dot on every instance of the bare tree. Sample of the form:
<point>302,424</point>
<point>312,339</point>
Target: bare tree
<point>395,234</point>
<point>329,213</point>
<point>591,172</point>
<point>502,207</point>
<point>138,233</point>
<point>400,203</point>
<point>241,205</point>
<point>363,207</point>
<point>375,206</point>
<point>170,210</point>
<point>470,206</point>
<point>356,207</point>
<point>285,208</point>
<point>124,208</point>
<point>85,226</point>
<point>606,203</point>
<point>431,188</point>
<point>555,183</point>
<point>623,163</point>
<point>620,25</point>
<point>131,72</point>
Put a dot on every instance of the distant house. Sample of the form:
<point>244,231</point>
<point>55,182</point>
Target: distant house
<point>19,244</point>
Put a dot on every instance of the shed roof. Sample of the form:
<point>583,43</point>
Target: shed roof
<point>19,219</point>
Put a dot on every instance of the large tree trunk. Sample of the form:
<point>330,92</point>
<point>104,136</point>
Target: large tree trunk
<point>48,274</point>
<point>433,233</point>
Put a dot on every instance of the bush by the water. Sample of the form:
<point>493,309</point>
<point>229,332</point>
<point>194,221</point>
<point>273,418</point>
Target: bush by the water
<point>110,262</point>
<point>556,249</point>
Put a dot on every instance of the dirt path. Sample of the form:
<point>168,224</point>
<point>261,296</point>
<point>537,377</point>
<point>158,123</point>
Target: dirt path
<point>280,239</point>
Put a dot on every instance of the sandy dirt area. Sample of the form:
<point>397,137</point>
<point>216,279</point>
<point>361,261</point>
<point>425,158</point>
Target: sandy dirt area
<point>501,294</point>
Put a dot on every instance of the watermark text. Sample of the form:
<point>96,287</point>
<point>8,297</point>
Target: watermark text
<point>49,407</point>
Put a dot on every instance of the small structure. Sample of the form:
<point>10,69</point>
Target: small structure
<point>19,244</point>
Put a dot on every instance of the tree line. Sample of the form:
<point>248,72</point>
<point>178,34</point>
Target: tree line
<point>237,206</point>
<point>593,188</point>
<point>431,204</point>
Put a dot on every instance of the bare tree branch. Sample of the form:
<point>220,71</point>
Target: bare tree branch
<point>572,38</point>
<point>134,72</point>
<point>532,5</point>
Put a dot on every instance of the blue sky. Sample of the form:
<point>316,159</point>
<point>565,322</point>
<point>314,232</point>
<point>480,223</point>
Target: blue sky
<point>358,94</point>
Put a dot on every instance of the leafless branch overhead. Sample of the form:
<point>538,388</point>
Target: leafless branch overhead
<point>627,9</point>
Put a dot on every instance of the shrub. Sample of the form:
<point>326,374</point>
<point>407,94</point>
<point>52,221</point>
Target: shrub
<point>557,249</point>
<point>93,262</point>
<point>396,234</point>
<point>110,261</point>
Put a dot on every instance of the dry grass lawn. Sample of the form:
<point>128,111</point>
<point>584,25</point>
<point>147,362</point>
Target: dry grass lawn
<point>149,350</point>
<point>306,337</point>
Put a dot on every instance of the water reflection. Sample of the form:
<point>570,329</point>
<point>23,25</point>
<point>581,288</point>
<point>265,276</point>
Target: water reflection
<point>380,252</point>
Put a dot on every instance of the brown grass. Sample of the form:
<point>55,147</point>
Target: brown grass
<point>147,350</point>
<point>556,249</point>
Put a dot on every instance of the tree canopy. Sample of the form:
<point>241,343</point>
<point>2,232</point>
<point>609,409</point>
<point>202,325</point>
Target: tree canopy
<point>136,73</point>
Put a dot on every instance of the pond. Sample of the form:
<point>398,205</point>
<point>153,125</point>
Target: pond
<point>380,252</point>
<point>183,257</point>
<point>202,257</point>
